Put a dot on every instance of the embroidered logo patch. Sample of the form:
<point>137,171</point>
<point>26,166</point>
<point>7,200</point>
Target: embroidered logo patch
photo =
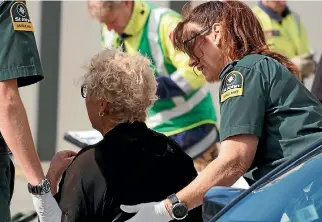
<point>20,17</point>
<point>232,85</point>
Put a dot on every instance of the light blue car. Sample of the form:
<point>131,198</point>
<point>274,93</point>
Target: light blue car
<point>290,193</point>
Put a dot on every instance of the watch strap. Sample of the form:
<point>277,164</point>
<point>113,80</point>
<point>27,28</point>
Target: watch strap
<point>42,188</point>
<point>174,199</point>
<point>179,210</point>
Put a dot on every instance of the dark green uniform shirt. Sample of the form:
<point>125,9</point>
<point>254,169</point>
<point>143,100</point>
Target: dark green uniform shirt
<point>260,96</point>
<point>19,57</point>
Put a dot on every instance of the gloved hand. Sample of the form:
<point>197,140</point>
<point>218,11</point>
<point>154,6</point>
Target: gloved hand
<point>47,208</point>
<point>305,64</point>
<point>148,212</point>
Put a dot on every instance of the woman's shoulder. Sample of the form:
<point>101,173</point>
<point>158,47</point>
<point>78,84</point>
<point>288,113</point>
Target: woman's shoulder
<point>84,167</point>
<point>252,60</point>
<point>85,157</point>
<point>89,151</point>
<point>264,65</point>
<point>246,67</point>
<point>255,60</point>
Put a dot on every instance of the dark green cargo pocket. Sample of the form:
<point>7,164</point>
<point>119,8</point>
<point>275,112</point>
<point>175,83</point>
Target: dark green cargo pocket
<point>19,57</point>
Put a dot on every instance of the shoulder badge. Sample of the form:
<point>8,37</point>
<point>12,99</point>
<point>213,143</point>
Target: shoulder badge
<point>20,17</point>
<point>232,85</point>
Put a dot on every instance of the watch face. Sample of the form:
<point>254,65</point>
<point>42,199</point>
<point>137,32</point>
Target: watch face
<point>180,211</point>
<point>46,186</point>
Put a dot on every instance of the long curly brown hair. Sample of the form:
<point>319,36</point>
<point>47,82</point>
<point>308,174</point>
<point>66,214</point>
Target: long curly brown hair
<point>242,33</point>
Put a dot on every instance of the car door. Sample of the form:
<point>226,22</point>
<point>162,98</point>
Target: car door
<point>293,195</point>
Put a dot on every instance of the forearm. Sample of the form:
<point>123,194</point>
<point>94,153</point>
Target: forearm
<point>16,132</point>
<point>220,172</point>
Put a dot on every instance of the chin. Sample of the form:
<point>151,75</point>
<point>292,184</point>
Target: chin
<point>212,79</point>
<point>209,78</point>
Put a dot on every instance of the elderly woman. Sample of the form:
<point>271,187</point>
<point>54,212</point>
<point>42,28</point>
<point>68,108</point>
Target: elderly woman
<point>267,114</point>
<point>131,163</point>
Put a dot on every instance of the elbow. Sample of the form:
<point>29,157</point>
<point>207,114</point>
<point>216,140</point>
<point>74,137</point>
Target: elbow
<point>236,168</point>
<point>239,169</point>
<point>10,99</point>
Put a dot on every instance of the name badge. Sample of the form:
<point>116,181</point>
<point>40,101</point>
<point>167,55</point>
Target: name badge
<point>20,17</point>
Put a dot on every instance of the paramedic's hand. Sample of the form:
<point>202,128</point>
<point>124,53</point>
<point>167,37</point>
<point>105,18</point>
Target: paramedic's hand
<point>148,212</point>
<point>59,164</point>
<point>47,208</point>
<point>305,64</point>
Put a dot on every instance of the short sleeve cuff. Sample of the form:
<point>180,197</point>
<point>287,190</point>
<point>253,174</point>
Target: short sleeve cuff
<point>26,75</point>
<point>239,130</point>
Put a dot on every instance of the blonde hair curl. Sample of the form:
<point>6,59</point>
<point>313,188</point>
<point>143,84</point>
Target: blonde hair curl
<point>125,81</point>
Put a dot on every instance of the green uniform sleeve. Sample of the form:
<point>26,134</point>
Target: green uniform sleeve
<point>19,57</point>
<point>242,97</point>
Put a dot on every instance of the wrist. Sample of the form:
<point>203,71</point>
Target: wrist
<point>40,189</point>
<point>161,210</point>
<point>36,179</point>
<point>168,206</point>
<point>176,208</point>
<point>52,176</point>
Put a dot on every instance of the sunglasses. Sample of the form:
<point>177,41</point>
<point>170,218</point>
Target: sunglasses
<point>84,91</point>
<point>201,32</point>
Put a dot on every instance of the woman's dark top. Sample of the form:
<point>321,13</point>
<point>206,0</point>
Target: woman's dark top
<point>131,165</point>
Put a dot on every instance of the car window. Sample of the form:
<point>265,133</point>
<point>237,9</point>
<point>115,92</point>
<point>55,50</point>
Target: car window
<point>292,197</point>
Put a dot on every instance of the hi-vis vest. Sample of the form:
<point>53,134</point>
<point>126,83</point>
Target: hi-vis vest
<point>177,114</point>
<point>287,38</point>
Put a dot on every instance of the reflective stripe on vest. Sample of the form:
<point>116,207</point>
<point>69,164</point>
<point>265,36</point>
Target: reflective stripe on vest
<point>297,21</point>
<point>156,51</point>
<point>181,108</point>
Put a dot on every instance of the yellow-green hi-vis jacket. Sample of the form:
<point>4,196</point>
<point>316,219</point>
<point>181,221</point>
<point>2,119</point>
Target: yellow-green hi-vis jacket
<point>184,100</point>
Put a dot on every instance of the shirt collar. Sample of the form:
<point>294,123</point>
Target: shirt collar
<point>227,68</point>
<point>138,18</point>
<point>272,14</point>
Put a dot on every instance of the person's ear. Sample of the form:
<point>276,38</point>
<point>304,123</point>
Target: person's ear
<point>216,28</point>
<point>102,106</point>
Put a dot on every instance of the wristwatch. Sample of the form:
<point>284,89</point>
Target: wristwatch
<point>41,189</point>
<point>179,209</point>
